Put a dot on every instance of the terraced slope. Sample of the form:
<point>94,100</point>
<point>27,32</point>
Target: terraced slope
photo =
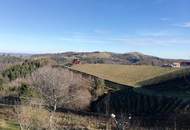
<point>131,75</point>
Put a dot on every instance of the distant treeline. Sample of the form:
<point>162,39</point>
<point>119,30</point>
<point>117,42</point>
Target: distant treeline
<point>9,59</point>
<point>21,70</point>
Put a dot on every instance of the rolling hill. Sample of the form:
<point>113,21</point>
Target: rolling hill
<point>109,58</point>
<point>174,84</point>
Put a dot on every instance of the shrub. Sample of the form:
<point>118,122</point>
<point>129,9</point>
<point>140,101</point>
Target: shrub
<point>26,91</point>
<point>32,118</point>
<point>79,97</point>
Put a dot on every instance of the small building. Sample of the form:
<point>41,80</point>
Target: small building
<point>176,65</point>
<point>184,64</point>
<point>76,62</point>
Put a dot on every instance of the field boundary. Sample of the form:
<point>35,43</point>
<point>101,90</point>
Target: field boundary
<point>112,84</point>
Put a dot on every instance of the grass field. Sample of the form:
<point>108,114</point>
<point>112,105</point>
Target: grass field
<point>175,75</point>
<point>8,125</point>
<point>125,74</point>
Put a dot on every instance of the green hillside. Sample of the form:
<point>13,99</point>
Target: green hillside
<point>175,84</point>
<point>131,75</point>
<point>147,80</point>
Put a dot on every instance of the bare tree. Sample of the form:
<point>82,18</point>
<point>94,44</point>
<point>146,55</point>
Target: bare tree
<point>79,96</point>
<point>54,85</point>
<point>3,66</point>
<point>21,120</point>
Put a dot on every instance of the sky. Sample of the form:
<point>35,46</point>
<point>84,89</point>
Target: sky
<point>154,27</point>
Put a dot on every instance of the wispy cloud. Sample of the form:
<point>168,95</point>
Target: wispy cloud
<point>156,41</point>
<point>187,25</point>
<point>164,19</point>
<point>163,33</point>
<point>147,39</point>
<point>184,25</point>
<point>82,40</point>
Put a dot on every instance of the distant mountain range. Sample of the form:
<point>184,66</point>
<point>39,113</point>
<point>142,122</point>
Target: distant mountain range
<point>110,58</point>
<point>15,54</point>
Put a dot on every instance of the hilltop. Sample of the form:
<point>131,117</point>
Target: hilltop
<point>109,58</point>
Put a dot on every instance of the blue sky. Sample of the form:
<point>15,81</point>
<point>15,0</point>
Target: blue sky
<point>155,27</point>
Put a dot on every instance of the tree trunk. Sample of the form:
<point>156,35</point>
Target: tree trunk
<point>51,116</point>
<point>51,121</point>
<point>21,128</point>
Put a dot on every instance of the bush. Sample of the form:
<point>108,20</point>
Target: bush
<point>79,97</point>
<point>26,91</point>
<point>32,118</point>
<point>99,88</point>
<point>1,80</point>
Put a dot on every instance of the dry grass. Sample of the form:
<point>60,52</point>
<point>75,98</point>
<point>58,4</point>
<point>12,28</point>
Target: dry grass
<point>69,120</point>
<point>124,74</point>
<point>40,118</point>
<point>99,55</point>
<point>32,117</point>
<point>8,125</point>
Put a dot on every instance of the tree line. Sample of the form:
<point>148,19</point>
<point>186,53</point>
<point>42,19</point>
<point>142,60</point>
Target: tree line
<point>22,70</point>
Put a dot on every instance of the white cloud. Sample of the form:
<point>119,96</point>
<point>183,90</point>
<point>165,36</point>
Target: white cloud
<point>187,25</point>
<point>184,25</point>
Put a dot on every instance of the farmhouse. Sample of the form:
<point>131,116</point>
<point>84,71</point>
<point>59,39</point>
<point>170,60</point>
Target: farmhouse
<point>76,61</point>
<point>176,65</point>
<point>183,64</point>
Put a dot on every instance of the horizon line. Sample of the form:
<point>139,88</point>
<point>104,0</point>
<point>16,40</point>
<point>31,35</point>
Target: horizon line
<point>59,52</point>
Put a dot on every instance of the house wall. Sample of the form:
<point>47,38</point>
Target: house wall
<point>176,65</point>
